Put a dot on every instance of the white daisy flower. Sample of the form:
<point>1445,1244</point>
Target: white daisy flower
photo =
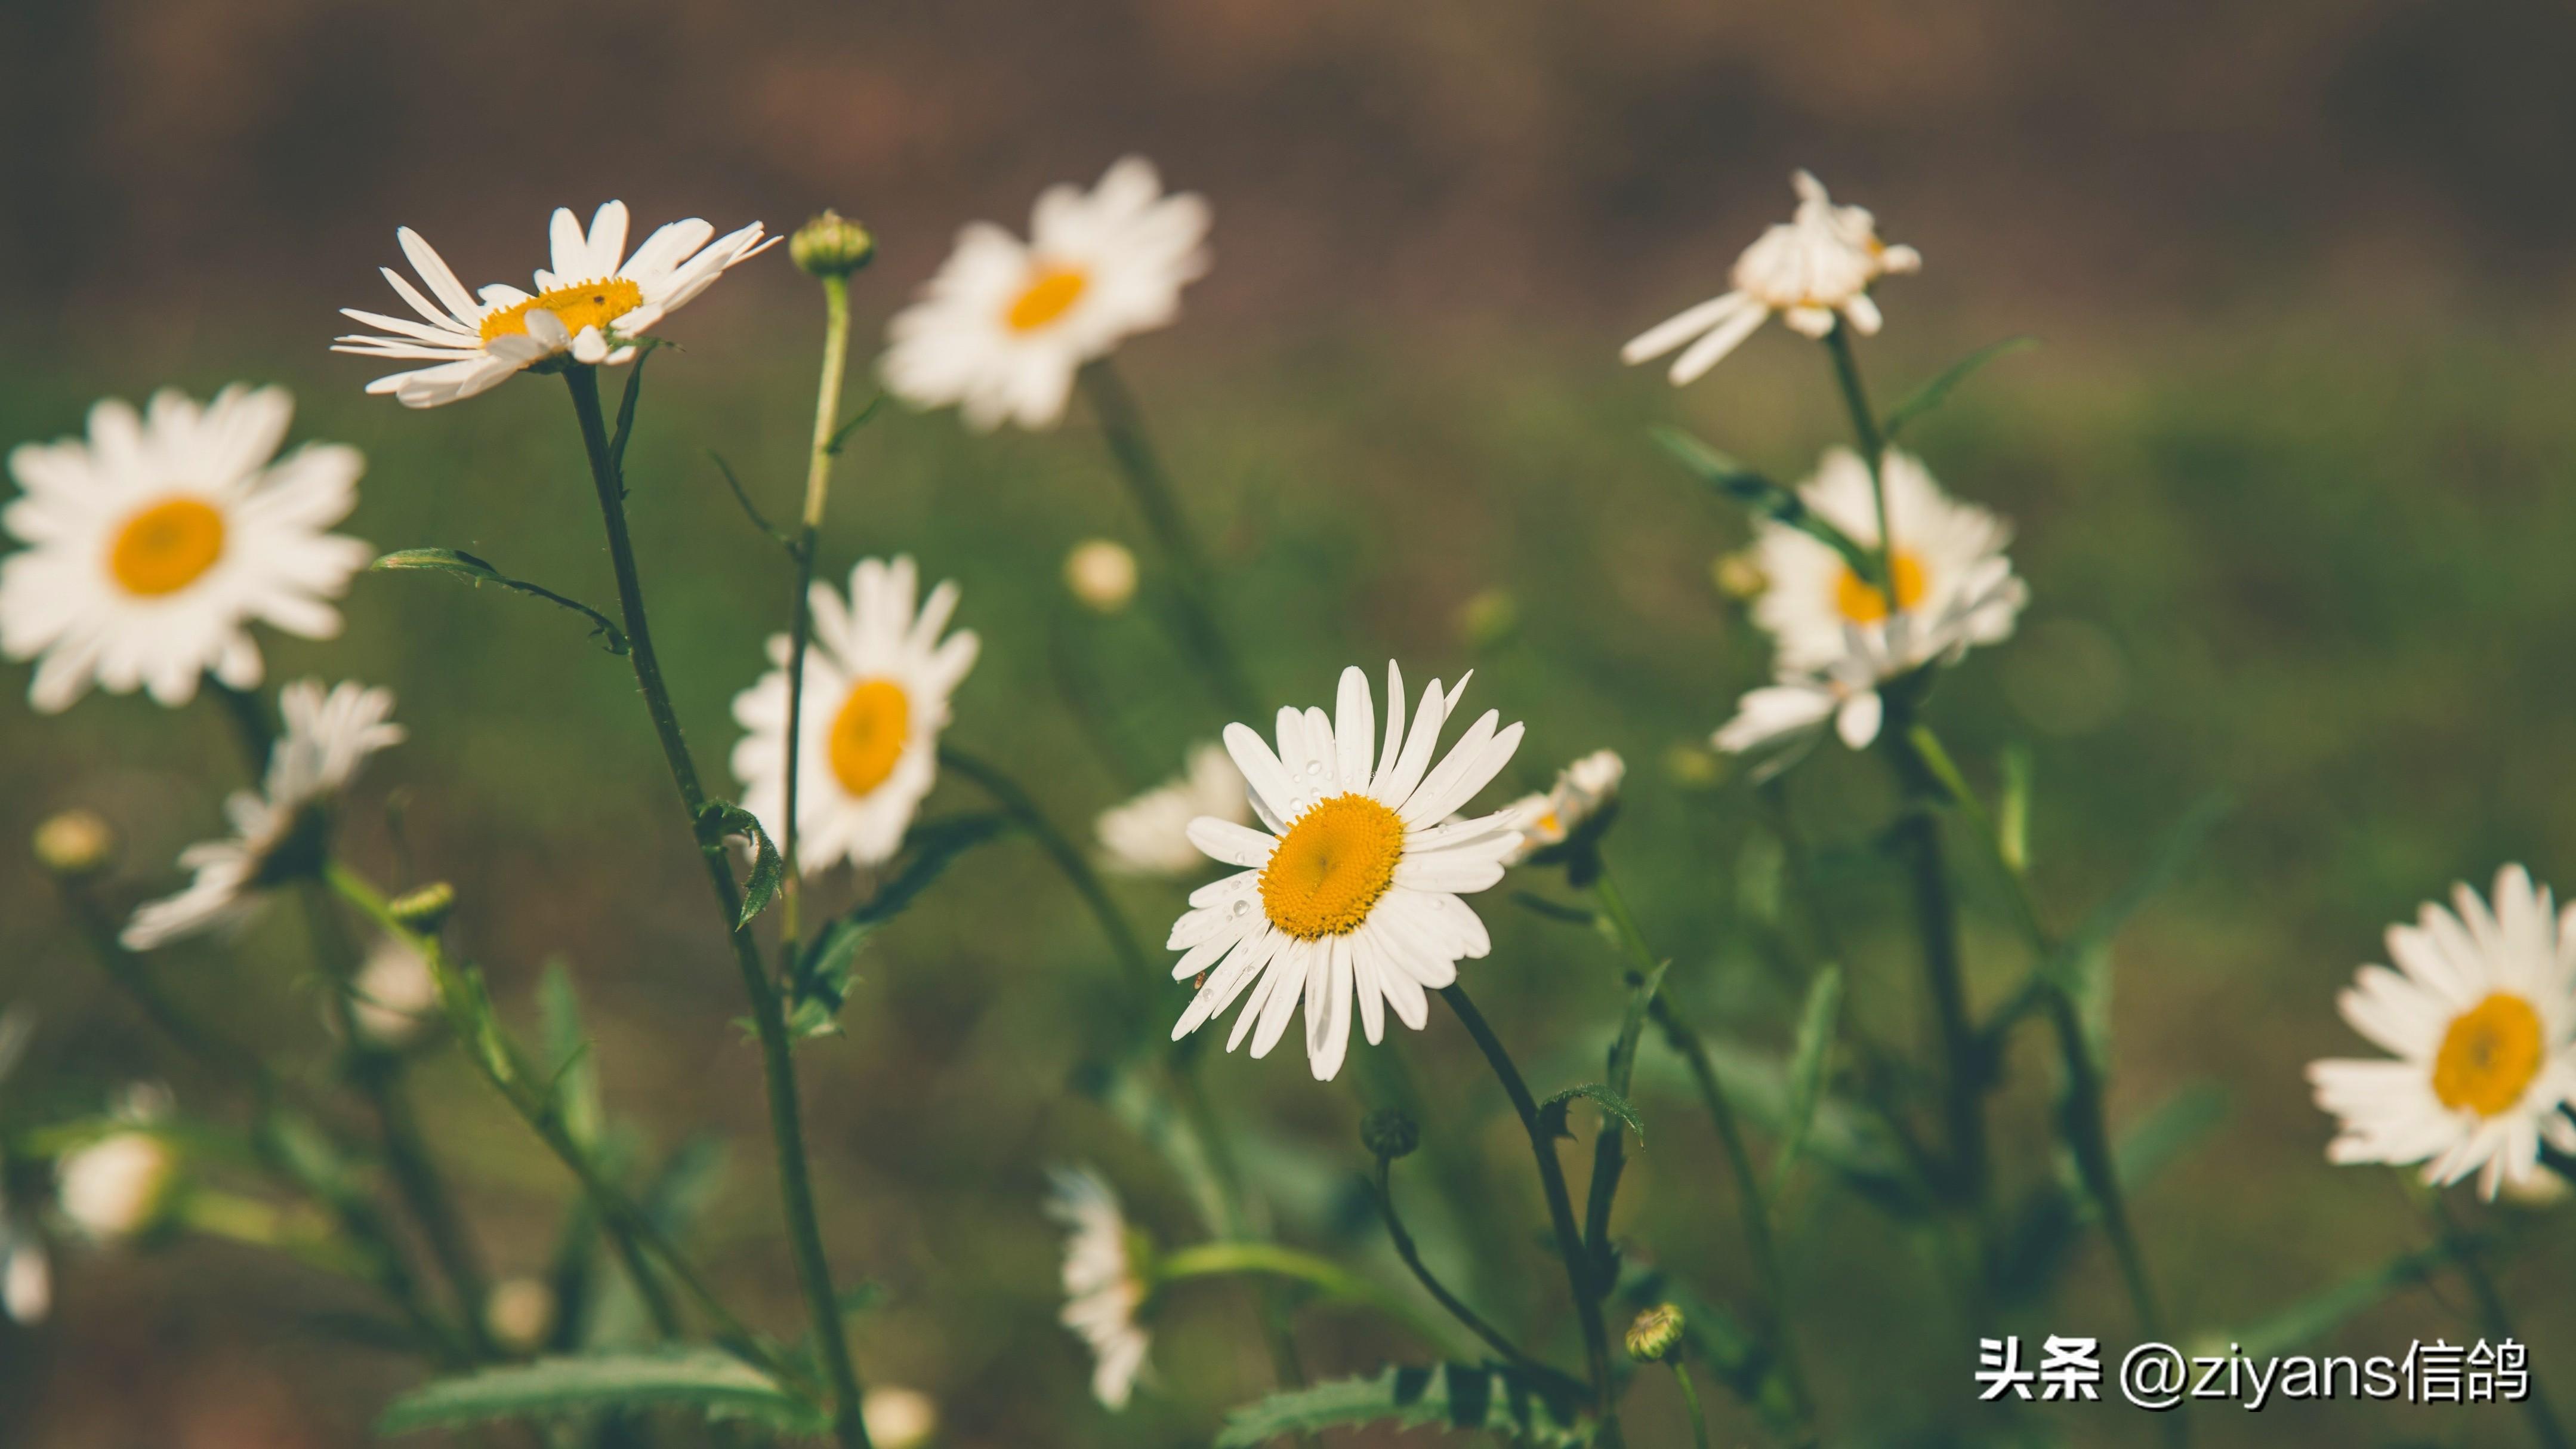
<point>118,1186</point>
<point>1349,894</point>
<point>1150,835</point>
<point>1102,1287</point>
<point>154,544</point>
<point>26,1274</point>
<point>1003,327</point>
<point>2481,1012</point>
<point>1946,551</point>
<point>877,681</point>
<point>1812,269</point>
<point>1580,792</point>
<point>592,303</point>
<point>278,829</point>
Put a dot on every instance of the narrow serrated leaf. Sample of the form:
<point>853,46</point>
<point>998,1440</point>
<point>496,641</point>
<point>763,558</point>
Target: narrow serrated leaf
<point>1448,1396</point>
<point>1936,392</point>
<point>1610,1102</point>
<point>1807,1064</point>
<point>466,566</point>
<point>841,435</point>
<point>707,1378</point>
<point>2312,1318</point>
<point>1763,497</point>
<point>568,1058</point>
<point>718,819</point>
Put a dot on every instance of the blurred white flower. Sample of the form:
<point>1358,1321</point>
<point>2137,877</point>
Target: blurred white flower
<point>1101,574</point>
<point>520,1312</point>
<point>26,1277</point>
<point>877,681</point>
<point>153,544</point>
<point>1946,552</point>
<point>1349,894</point>
<point>1102,1288</point>
<point>1003,327</point>
<point>2481,1013</point>
<point>1811,269</point>
<point>277,829</point>
<point>118,1186</point>
<point>899,1418</point>
<point>1581,789</point>
<point>593,303</point>
<point>394,998</point>
<point>1150,835</point>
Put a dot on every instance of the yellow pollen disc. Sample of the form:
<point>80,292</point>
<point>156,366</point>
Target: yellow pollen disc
<point>1051,293</point>
<point>2489,1056</point>
<point>591,304</point>
<point>1331,867</point>
<point>1862,603</point>
<point>868,734</point>
<point>167,546</point>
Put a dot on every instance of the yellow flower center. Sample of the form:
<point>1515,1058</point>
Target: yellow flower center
<point>1051,292</point>
<point>868,734</point>
<point>591,304</point>
<point>1331,866</point>
<point>2489,1056</point>
<point>1862,603</point>
<point>167,546</point>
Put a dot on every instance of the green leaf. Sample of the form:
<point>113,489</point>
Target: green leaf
<point>750,509</point>
<point>1762,496</point>
<point>1447,1396</point>
<point>2169,1130</point>
<point>821,980</point>
<point>718,819</point>
<point>567,1047</point>
<point>1807,1069</point>
<point>626,417</point>
<point>1610,1102</point>
<point>708,1378</point>
<point>1540,905</point>
<point>2012,811</point>
<point>467,566</point>
<point>1936,392</point>
<point>2314,1317</point>
<point>841,436</point>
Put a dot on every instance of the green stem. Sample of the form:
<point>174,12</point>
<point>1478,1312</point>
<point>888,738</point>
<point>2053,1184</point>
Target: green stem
<point>1560,1205</point>
<point>1873,449</point>
<point>1690,1397</point>
<point>796,1191</point>
<point>1755,1203</point>
<point>818,489</point>
<point>2494,1320</point>
<point>1122,426</point>
<point>1218,1260</point>
<point>1406,1249</point>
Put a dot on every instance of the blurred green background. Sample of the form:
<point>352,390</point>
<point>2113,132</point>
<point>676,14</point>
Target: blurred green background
<point>2288,473</point>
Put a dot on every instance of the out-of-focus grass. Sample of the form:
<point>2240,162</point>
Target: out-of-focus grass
<point>2321,572</point>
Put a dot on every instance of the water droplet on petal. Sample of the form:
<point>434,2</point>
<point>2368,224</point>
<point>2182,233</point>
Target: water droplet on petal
<point>1242,906</point>
<point>1315,768</point>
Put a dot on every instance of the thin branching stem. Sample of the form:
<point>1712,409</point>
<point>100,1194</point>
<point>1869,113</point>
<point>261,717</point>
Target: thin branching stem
<point>818,491</point>
<point>786,1124</point>
<point>1411,1253</point>
<point>1690,1398</point>
<point>1873,449</point>
<point>2493,1320</point>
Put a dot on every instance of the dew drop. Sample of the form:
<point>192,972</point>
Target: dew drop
<point>1242,906</point>
<point>1315,768</point>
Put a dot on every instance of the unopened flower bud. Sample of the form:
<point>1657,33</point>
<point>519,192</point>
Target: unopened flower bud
<point>1654,1333</point>
<point>1738,576</point>
<point>426,909</point>
<point>1488,618</point>
<point>75,843</point>
<point>1101,574</point>
<point>519,1311</point>
<point>120,1186</point>
<point>831,245</point>
<point>1389,1134</point>
<point>899,1418</point>
<point>394,997</point>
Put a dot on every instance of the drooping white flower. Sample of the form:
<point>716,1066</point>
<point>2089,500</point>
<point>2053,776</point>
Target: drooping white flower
<point>1001,330</point>
<point>2481,1014</point>
<point>1581,789</point>
<point>118,1186</point>
<point>277,829</point>
<point>395,998</point>
<point>1349,894</point>
<point>1150,835</point>
<point>877,680</point>
<point>1945,564</point>
<point>1102,1288</point>
<point>26,1273</point>
<point>593,303</point>
<point>154,543</point>
<point>1811,270</point>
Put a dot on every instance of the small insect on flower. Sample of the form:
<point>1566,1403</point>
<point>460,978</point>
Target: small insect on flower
<point>2481,1013</point>
<point>1349,893</point>
<point>1812,270</point>
<point>593,304</point>
<point>154,543</point>
<point>877,681</point>
<point>1102,1287</point>
<point>280,831</point>
<point>1150,835</point>
<point>1001,330</point>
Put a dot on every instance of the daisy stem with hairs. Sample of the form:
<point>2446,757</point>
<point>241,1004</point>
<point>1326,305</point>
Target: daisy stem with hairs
<point>786,1125</point>
<point>1122,426</point>
<point>1873,449</point>
<point>375,1073</point>
<point>1560,1205</point>
<point>1272,1260</point>
<point>2493,1320</point>
<point>818,488</point>
<point>1754,1203</point>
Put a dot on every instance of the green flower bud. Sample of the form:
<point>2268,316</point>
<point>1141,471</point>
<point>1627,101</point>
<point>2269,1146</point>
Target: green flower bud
<point>1654,1333</point>
<point>831,246</point>
<point>426,909</point>
<point>1389,1134</point>
<point>1488,619</point>
<point>75,843</point>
